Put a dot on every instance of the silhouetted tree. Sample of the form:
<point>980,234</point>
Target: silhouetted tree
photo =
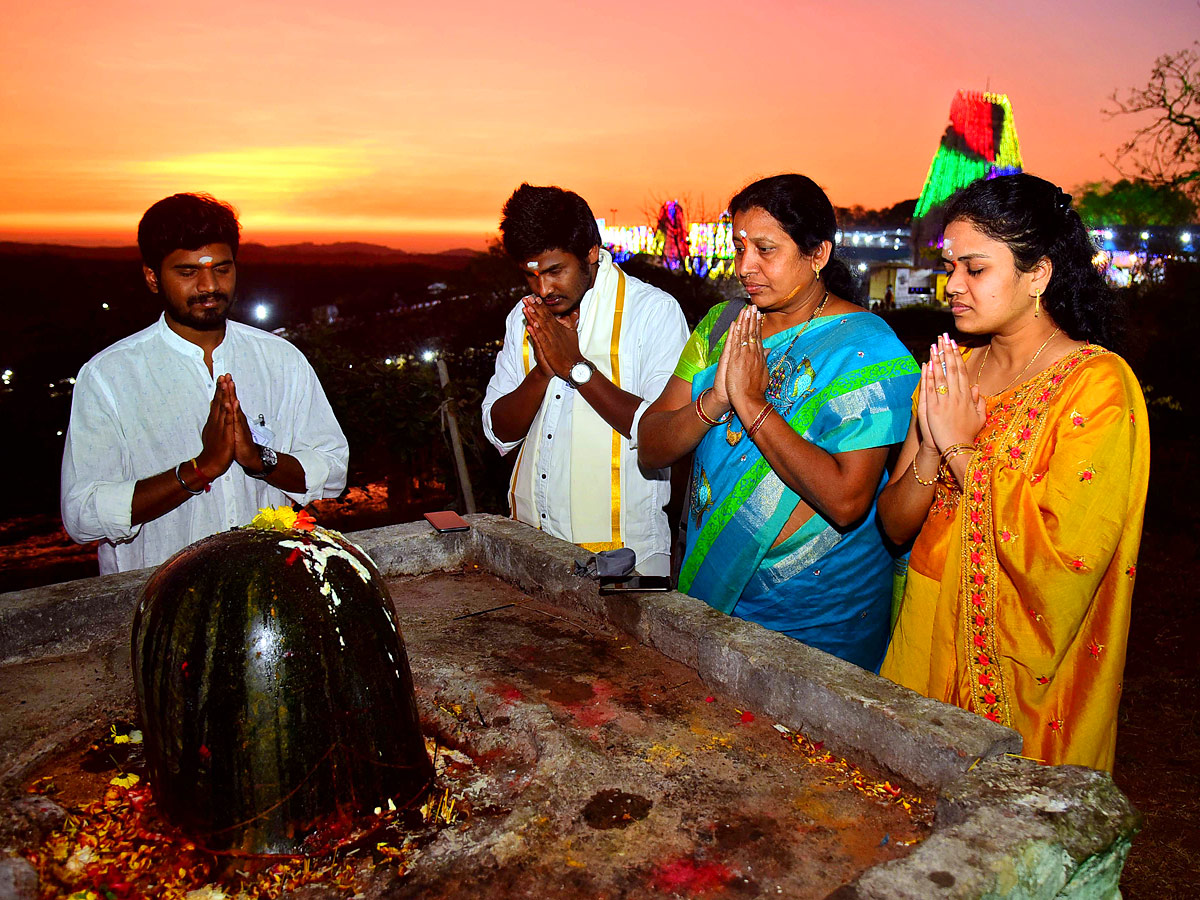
<point>1166,151</point>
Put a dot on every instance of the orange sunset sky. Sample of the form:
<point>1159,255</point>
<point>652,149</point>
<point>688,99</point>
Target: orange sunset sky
<point>410,123</point>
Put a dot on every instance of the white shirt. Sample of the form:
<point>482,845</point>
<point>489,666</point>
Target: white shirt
<point>652,338</point>
<point>138,409</point>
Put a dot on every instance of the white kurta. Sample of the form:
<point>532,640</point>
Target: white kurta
<point>138,409</point>
<point>653,332</point>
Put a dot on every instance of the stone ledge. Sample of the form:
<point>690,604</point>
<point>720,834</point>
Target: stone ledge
<point>67,617</point>
<point>1012,828</point>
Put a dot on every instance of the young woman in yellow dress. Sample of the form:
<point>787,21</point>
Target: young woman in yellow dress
<point>1023,480</point>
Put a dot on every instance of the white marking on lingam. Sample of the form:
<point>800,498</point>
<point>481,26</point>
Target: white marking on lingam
<point>316,558</point>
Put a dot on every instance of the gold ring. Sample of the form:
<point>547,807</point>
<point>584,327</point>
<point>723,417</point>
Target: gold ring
<point>754,340</point>
<point>942,389</point>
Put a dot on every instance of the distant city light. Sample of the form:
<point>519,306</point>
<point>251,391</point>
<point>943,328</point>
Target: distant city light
<point>261,311</point>
<point>1145,235</point>
<point>388,361</point>
<point>59,433</point>
<point>104,306</point>
<point>862,267</point>
<point>428,356</point>
<point>6,376</point>
<point>1186,237</point>
<point>1108,235</point>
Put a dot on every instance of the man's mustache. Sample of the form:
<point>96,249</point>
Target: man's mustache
<point>205,298</point>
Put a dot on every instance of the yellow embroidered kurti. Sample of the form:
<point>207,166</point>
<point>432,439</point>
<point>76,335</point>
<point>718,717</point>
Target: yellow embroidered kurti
<point>1019,585</point>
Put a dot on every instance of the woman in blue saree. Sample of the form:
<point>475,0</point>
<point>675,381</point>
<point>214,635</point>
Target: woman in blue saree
<point>792,414</point>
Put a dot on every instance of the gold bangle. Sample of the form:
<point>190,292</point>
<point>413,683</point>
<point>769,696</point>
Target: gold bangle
<point>932,481</point>
<point>955,449</point>
<point>759,419</point>
<point>704,417</point>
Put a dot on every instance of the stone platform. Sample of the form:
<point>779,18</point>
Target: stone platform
<point>599,765</point>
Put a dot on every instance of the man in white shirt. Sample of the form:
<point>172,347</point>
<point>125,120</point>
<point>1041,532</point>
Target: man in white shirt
<point>584,355</point>
<point>188,427</point>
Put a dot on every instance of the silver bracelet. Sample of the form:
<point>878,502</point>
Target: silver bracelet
<point>183,483</point>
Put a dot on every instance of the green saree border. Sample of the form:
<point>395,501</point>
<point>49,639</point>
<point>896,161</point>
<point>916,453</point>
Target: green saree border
<point>748,484</point>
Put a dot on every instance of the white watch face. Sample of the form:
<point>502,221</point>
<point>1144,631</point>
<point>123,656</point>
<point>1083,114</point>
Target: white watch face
<point>580,373</point>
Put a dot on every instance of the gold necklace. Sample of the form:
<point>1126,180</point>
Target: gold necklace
<point>777,375</point>
<point>1037,353</point>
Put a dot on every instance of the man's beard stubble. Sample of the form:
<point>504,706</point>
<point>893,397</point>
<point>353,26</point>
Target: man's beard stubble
<point>208,319</point>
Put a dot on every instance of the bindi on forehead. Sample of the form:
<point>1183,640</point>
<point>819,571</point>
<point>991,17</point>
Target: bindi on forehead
<point>532,264</point>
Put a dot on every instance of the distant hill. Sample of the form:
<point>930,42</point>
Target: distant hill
<point>17,248</point>
<point>354,253</point>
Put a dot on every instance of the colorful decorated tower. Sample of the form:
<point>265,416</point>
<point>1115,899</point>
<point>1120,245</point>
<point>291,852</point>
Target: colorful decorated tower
<point>980,142</point>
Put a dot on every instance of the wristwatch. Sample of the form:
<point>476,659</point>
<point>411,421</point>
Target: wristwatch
<point>270,459</point>
<point>580,374</point>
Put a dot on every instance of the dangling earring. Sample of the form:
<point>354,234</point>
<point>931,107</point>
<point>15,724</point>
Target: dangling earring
<point>1037,303</point>
<point>817,271</point>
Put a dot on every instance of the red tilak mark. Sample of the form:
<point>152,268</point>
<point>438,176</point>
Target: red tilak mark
<point>687,876</point>
<point>292,557</point>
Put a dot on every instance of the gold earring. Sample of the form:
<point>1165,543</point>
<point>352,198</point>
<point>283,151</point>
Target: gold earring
<point>816,271</point>
<point>1037,303</point>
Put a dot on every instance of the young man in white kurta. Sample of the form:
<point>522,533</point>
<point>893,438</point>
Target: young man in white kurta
<point>573,455</point>
<point>188,427</point>
<point>139,406</point>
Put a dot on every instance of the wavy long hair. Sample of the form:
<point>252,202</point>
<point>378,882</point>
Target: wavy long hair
<point>1035,220</point>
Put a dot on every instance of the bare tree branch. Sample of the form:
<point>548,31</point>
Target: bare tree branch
<point>1167,150</point>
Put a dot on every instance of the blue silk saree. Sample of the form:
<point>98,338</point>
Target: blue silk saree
<point>844,384</point>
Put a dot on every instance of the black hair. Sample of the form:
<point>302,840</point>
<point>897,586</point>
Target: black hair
<point>801,208</point>
<point>185,222</point>
<point>1035,220</point>
<point>537,219</point>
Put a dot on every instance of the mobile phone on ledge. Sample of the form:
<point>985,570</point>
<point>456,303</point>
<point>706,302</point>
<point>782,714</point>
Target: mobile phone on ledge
<point>627,584</point>
<point>447,520</point>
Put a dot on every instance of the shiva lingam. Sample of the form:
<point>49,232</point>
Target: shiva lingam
<point>274,690</point>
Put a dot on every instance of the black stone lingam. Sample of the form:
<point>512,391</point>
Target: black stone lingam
<point>275,694</point>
